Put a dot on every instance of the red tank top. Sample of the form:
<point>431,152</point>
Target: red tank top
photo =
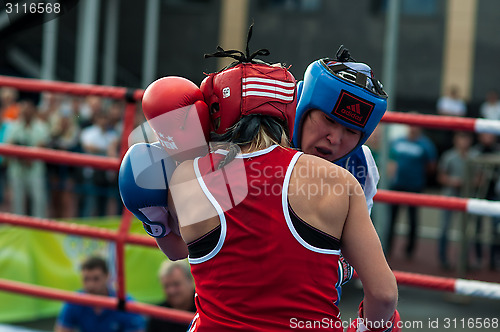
<point>261,276</point>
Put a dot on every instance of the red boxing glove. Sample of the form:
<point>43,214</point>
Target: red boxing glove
<point>391,325</point>
<point>177,113</point>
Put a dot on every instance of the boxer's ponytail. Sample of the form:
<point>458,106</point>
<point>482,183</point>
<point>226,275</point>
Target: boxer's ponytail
<point>254,132</point>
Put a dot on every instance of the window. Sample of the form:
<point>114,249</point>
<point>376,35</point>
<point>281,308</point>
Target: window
<point>409,7</point>
<point>292,5</point>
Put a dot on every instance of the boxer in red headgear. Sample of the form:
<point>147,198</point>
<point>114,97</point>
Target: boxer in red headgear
<point>264,224</point>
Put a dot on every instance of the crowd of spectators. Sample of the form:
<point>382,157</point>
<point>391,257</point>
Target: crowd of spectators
<point>88,125</point>
<point>416,162</point>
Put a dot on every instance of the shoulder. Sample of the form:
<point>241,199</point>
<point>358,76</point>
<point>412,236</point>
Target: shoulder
<point>13,125</point>
<point>111,133</point>
<point>313,162</point>
<point>397,141</point>
<point>448,155</point>
<point>70,310</point>
<point>184,172</point>
<point>427,142</point>
<point>88,131</point>
<point>316,169</point>
<point>443,100</point>
<point>41,124</point>
<point>475,151</point>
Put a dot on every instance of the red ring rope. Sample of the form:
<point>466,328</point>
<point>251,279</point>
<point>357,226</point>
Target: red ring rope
<point>94,300</point>
<point>73,229</point>
<point>60,157</point>
<point>34,85</point>
<point>414,199</point>
<point>431,121</point>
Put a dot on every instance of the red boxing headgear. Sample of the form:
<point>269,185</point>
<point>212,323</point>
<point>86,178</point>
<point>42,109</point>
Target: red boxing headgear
<point>250,88</point>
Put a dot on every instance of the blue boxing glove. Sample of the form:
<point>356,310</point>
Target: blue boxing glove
<point>143,179</point>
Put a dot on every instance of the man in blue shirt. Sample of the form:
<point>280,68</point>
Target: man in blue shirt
<point>76,317</point>
<point>412,158</point>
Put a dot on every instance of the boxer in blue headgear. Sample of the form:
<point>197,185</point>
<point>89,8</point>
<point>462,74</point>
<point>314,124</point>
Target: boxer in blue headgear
<point>344,96</point>
<point>339,106</point>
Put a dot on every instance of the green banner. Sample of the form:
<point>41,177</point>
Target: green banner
<point>53,260</point>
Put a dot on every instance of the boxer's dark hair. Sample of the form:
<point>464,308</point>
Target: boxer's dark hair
<point>239,56</point>
<point>94,262</point>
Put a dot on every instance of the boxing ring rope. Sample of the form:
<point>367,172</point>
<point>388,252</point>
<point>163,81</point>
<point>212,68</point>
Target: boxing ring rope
<point>451,285</point>
<point>95,300</point>
<point>481,207</point>
<point>444,122</point>
<point>35,85</point>
<point>74,229</point>
<point>122,236</point>
<point>60,157</point>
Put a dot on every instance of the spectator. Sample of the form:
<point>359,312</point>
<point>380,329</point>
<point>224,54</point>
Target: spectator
<point>9,108</point>
<point>88,109</point>
<point>3,130</point>
<point>495,247</point>
<point>115,115</point>
<point>452,104</point>
<point>488,180</point>
<point>27,178</point>
<point>178,285</point>
<point>49,107</point>
<point>451,173</point>
<point>96,139</point>
<point>490,108</point>
<point>65,135</point>
<point>412,159</point>
<point>76,317</point>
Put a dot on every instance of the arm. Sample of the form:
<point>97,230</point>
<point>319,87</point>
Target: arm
<point>173,245</point>
<point>449,181</point>
<point>189,204</point>
<point>431,151</point>
<point>144,188</point>
<point>42,133</point>
<point>431,167</point>
<point>10,133</point>
<point>443,178</point>
<point>361,246</point>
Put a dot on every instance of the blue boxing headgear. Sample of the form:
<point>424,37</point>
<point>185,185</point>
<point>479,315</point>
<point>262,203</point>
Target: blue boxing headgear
<point>345,91</point>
